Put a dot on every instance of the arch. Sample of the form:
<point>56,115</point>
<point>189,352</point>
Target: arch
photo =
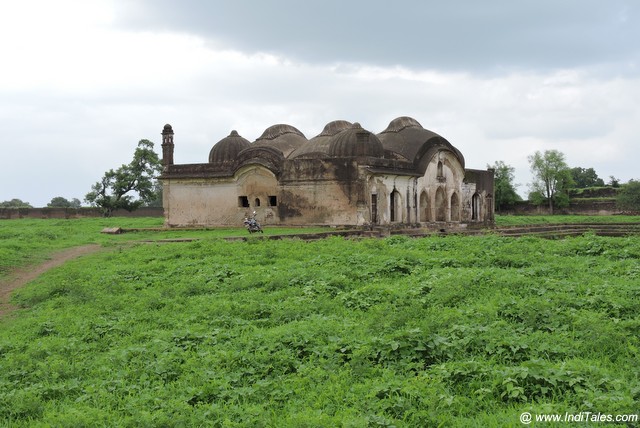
<point>424,207</point>
<point>475,207</point>
<point>455,207</point>
<point>256,202</point>
<point>395,205</point>
<point>441,205</point>
<point>440,170</point>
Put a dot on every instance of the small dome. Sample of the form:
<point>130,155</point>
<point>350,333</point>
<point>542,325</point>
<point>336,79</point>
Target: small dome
<point>335,127</point>
<point>318,146</point>
<point>275,131</point>
<point>355,142</point>
<point>284,138</point>
<point>400,123</point>
<point>227,149</point>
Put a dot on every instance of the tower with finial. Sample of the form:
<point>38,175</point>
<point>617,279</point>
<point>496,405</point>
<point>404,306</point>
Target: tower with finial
<point>167,145</point>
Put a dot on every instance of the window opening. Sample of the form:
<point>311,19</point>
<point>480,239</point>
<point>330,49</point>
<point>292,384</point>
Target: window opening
<point>392,205</point>
<point>257,202</point>
<point>374,208</point>
<point>273,201</point>
<point>243,201</point>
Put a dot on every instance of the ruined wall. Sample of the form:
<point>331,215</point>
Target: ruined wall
<point>68,213</point>
<point>478,196</point>
<point>198,202</point>
<point>321,191</point>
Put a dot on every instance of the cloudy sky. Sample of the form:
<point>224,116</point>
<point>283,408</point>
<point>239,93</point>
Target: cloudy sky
<point>82,81</point>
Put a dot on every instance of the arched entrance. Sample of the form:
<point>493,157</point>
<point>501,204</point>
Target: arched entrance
<point>424,207</point>
<point>441,205</point>
<point>455,207</point>
<point>475,207</point>
<point>395,204</point>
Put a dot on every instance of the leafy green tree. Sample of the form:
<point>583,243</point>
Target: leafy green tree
<point>15,203</point>
<point>613,182</point>
<point>629,196</point>
<point>60,202</point>
<point>585,177</point>
<point>130,186</point>
<point>504,188</point>
<point>552,177</point>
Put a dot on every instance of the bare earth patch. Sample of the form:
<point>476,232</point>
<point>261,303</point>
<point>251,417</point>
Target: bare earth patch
<point>20,277</point>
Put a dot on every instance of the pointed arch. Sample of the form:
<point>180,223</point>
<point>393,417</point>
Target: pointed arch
<point>475,207</point>
<point>424,207</point>
<point>455,207</point>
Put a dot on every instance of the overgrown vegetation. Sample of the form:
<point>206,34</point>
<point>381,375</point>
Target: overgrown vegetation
<point>441,331</point>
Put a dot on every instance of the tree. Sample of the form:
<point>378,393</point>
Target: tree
<point>15,203</point>
<point>613,182</point>
<point>552,177</point>
<point>586,177</point>
<point>629,196</point>
<point>503,186</point>
<point>137,177</point>
<point>60,202</point>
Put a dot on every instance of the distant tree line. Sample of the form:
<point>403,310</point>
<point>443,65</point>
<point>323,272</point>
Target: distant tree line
<point>552,180</point>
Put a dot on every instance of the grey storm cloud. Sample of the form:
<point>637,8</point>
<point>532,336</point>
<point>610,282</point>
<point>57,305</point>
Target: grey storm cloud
<point>482,36</point>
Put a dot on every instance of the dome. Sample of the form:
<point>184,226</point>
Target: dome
<point>406,137</point>
<point>284,138</point>
<point>227,149</point>
<point>333,128</point>
<point>167,127</point>
<point>318,146</point>
<point>355,142</point>
<point>400,123</point>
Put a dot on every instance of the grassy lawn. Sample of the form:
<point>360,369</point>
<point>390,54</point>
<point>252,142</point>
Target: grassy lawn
<point>449,331</point>
<point>523,220</point>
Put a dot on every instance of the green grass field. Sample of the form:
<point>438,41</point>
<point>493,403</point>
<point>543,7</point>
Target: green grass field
<point>436,331</point>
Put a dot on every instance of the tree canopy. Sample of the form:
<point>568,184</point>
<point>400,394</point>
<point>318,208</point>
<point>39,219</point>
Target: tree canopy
<point>15,203</point>
<point>131,185</point>
<point>60,202</point>
<point>585,177</point>
<point>504,188</point>
<point>552,177</point>
<point>629,196</point>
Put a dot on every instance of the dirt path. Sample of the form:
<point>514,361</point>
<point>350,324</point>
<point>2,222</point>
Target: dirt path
<point>20,277</point>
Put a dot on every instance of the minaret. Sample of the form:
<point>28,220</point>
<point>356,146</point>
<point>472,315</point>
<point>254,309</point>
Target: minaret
<point>167,145</point>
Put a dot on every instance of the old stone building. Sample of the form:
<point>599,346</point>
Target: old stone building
<point>345,175</point>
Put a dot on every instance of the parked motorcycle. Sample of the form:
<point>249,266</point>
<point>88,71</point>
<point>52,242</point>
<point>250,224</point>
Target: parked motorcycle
<point>252,224</point>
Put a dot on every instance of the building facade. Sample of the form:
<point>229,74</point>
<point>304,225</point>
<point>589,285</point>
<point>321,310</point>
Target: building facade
<point>346,175</point>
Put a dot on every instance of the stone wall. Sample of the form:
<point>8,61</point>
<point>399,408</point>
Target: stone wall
<point>15,213</point>
<point>576,207</point>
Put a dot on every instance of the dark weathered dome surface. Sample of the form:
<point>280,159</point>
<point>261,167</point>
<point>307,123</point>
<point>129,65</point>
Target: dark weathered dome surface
<point>407,137</point>
<point>283,137</point>
<point>355,142</point>
<point>400,123</point>
<point>167,127</point>
<point>227,149</point>
<point>318,146</point>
